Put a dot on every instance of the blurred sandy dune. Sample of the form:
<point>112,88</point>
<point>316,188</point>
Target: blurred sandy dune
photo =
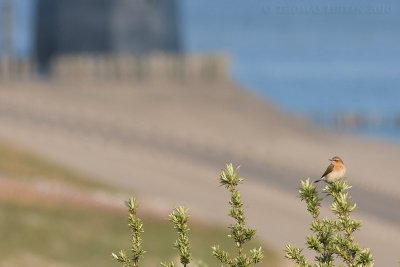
<point>167,143</point>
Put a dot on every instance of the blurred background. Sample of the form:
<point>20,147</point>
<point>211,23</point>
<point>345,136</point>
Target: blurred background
<point>102,99</point>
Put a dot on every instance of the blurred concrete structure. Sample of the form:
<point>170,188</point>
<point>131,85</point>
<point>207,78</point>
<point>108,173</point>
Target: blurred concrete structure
<point>106,27</point>
<point>160,67</point>
<point>106,40</point>
<point>120,68</point>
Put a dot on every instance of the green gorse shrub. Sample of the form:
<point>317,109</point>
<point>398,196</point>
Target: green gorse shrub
<point>332,240</point>
<point>136,229</point>
<point>179,217</point>
<point>239,232</point>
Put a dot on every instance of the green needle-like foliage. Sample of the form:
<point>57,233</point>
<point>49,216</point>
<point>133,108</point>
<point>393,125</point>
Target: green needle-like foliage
<point>239,232</point>
<point>332,239</point>
<point>136,229</point>
<point>171,264</point>
<point>180,218</point>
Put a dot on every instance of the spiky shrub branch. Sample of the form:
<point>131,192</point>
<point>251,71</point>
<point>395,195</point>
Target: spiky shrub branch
<point>179,217</point>
<point>239,232</point>
<point>332,239</point>
<point>135,226</point>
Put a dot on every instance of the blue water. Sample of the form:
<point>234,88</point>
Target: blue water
<point>318,58</point>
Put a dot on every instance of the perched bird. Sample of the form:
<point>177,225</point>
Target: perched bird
<point>335,171</point>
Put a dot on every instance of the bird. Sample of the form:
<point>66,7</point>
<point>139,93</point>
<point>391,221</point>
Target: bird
<point>335,170</point>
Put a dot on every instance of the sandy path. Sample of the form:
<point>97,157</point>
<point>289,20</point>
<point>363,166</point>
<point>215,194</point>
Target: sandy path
<point>168,144</point>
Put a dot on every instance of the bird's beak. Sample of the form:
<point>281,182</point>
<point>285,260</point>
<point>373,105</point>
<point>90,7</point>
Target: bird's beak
<point>330,159</point>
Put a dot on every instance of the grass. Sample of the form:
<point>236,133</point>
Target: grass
<point>49,234</point>
<point>81,236</point>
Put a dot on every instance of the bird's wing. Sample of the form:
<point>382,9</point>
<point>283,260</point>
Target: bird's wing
<point>328,170</point>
